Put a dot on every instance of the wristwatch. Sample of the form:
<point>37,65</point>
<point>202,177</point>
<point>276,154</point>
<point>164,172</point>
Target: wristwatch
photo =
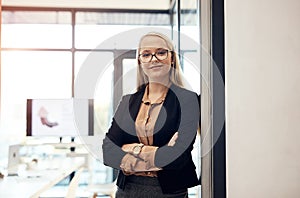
<point>136,150</point>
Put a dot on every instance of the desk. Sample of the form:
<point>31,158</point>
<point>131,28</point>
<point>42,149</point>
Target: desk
<point>31,183</point>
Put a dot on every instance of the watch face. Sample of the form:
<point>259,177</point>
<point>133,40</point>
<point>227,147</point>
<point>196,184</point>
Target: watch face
<point>136,150</point>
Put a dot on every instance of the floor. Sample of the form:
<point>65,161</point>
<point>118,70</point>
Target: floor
<point>60,191</point>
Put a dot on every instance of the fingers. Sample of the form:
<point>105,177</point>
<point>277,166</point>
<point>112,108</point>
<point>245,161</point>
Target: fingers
<point>128,147</point>
<point>173,139</point>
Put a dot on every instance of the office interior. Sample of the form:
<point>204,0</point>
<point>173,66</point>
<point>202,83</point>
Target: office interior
<point>261,94</point>
<point>46,49</point>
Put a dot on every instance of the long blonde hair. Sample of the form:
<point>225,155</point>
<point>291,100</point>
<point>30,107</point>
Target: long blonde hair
<point>175,72</point>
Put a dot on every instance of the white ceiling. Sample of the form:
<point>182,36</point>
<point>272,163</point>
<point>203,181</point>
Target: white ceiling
<point>105,4</point>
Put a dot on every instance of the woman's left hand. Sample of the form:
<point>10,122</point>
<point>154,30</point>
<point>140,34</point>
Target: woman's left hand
<point>173,139</point>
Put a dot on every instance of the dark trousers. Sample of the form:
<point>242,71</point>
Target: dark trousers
<point>146,187</point>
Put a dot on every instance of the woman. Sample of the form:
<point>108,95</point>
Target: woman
<point>153,130</point>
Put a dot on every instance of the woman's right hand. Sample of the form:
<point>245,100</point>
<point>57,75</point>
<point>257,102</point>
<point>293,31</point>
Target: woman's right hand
<point>129,147</point>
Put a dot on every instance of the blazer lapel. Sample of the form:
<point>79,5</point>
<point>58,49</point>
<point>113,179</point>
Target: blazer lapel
<point>166,124</point>
<point>135,103</point>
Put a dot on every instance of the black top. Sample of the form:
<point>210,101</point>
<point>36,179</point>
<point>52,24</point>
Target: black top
<point>180,112</point>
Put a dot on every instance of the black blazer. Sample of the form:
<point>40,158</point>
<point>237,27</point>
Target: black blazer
<point>180,112</point>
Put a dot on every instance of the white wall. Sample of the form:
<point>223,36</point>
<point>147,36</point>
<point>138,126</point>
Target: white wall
<point>262,39</point>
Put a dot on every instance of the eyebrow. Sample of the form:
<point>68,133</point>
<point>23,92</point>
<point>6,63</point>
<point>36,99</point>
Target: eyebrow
<point>145,50</point>
<point>149,50</point>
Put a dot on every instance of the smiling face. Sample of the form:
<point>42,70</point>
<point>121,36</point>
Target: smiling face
<point>156,70</point>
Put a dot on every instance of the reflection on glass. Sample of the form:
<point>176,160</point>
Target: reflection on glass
<point>36,17</point>
<point>98,36</point>
<point>129,76</point>
<point>104,101</point>
<point>191,71</point>
<point>36,36</point>
<point>31,74</point>
<point>100,62</point>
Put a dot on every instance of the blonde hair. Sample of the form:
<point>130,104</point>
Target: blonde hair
<point>175,72</point>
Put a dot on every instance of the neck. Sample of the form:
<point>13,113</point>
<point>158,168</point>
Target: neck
<point>158,87</point>
<point>159,82</point>
<point>156,90</point>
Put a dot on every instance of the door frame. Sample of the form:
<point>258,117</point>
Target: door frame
<point>213,168</point>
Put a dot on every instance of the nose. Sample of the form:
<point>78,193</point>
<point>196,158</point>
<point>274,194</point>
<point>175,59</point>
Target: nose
<point>153,56</point>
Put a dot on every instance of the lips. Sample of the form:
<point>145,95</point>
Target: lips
<point>155,66</point>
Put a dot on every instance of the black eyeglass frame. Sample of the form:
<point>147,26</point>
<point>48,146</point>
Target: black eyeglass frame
<point>154,54</point>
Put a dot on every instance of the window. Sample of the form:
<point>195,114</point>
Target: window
<point>43,52</point>
<point>36,63</point>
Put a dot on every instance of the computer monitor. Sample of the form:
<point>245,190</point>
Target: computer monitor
<point>60,117</point>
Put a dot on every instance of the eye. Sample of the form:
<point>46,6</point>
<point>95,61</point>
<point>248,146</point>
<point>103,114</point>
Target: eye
<point>161,52</point>
<point>145,55</point>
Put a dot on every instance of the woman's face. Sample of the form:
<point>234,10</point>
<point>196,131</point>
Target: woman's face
<point>156,70</point>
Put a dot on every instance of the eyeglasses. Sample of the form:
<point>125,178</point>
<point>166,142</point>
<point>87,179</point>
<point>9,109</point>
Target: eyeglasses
<point>160,54</point>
